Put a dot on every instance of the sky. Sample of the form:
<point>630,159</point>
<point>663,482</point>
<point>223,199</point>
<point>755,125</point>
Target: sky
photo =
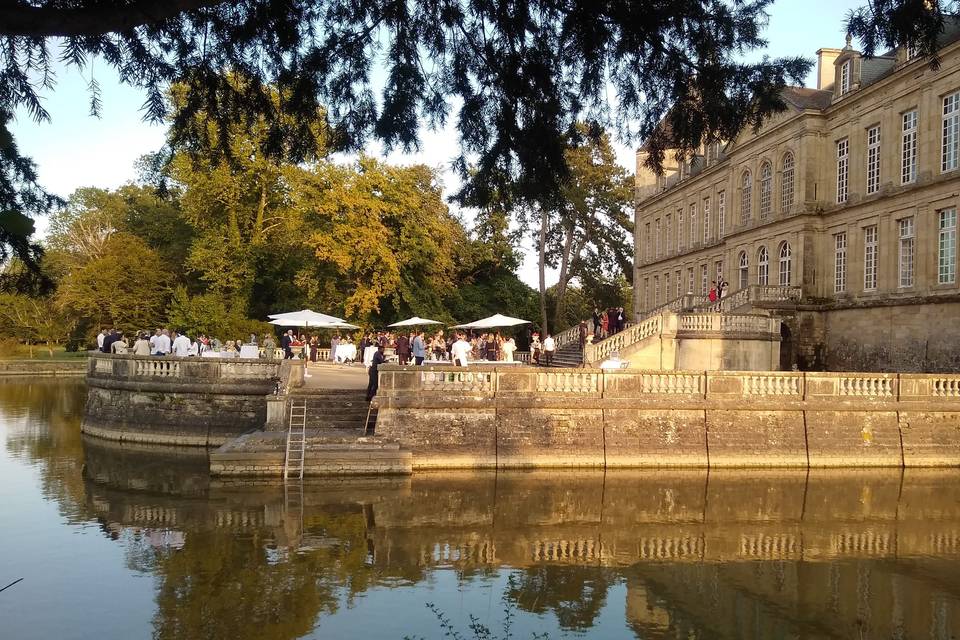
<point>76,150</point>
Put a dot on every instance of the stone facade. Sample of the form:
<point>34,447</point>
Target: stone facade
<point>183,401</point>
<point>851,193</point>
<point>522,417</point>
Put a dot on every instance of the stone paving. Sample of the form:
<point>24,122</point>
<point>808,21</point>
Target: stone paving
<point>335,376</point>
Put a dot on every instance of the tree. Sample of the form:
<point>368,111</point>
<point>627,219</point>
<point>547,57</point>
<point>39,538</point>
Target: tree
<point>592,239</point>
<point>386,234</point>
<point>523,72</point>
<point>35,319</point>
<point>126,286</point>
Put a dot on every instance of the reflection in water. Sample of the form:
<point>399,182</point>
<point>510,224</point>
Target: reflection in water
<point>751,555</point>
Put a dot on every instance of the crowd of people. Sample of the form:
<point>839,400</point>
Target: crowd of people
<point>167,342</point>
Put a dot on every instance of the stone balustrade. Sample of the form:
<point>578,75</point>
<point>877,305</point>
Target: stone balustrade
<point>186,401</point>
<point>599,351</point>
<point>568,336</point>
<point>523,416</point>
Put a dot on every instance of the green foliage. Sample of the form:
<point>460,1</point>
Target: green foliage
<point>209,314</point>
<point>126,286</point>
<point>386,232</point>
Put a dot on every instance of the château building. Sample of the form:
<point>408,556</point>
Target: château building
<point>850,195</point>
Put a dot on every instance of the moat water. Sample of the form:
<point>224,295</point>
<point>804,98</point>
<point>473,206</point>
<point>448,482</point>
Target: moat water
<point>120,541</point>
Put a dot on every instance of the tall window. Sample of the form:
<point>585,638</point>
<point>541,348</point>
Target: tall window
<point>666,286</point>
<point>656,291</point>
<point>785,265</point>
<point>743,268</point>
<point>843,169</point>
<point>870,258</point>
<point>689,279</point>
<point>721,213</point>
<point>746,197</point>
<point>766,188</point>
<point>719,269</point>
<point>703,280</point>
<point>646,293</point>
<point>906,252</point>
<point>763,266</point>
<point>786,183</point>
<point>679,283</point>
<point>873,159</point>
<point>845,77</point>
<point>656,224</point>
<point>646,247</point>
<point>693,224</point>
<point>950,145</point>
<point>840,262</point>
<point>668,235</point>
<point>947,246</point>
<point>908,148</point>
<point>679,230</point>
<point>706,220</point>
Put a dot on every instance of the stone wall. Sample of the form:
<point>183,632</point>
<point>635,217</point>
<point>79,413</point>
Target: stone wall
<point>43,368</point>
<point>526,417</point>
<point>183,401</point>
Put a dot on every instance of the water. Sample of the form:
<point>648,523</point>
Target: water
<point>134,542</point>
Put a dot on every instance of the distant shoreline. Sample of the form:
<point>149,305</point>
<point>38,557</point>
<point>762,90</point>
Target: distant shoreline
<point>43,368</point>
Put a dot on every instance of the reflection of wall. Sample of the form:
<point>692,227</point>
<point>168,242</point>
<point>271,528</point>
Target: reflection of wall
<point>756,601</point>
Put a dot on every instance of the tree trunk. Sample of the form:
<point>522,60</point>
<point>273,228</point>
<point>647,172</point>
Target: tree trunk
<point>564,271</point>
<point>543,272</point>
<point>261,209</point>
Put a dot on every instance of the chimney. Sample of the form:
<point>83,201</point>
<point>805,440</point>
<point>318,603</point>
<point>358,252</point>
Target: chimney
<point>825,69</point>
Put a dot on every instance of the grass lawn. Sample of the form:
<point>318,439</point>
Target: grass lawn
<point>40,352</point>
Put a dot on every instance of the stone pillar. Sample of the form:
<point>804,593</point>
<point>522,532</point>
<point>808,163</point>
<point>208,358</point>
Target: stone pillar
<point>276,413</point>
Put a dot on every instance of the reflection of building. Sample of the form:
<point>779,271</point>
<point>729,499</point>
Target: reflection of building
<point>756,601</point>
<point>851,193</point>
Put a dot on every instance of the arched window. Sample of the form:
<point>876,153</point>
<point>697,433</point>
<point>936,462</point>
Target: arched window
<point>784,264</point>
<point>763,266</point>
<point>786,184</point>
<point>743,269</point>
<point>766,189</point>
<point>746,197</point>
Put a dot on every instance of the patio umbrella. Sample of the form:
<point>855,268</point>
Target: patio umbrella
<point>303,318</point>
<point>415,321</point>
<point>293,322</point>
<point>496,320</point>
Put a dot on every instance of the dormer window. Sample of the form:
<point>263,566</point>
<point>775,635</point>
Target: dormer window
<point>845,70</point>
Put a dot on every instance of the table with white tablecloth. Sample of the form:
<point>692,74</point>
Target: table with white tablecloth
<point>346,353</point>
<point>249,351</point>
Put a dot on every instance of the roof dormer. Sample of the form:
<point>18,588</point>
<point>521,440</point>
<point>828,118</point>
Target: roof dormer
<point>847,71</point>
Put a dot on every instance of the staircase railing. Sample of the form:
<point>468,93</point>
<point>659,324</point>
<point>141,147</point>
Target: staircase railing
<point>618,341</point>
<point>754,293</point>
<point>567,336</point>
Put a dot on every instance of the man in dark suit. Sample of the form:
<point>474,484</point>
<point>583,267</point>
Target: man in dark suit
<point>374,382</point>
<point>285,343</point>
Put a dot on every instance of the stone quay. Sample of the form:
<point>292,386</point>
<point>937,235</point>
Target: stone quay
<point>180,401</point>
<point>512,417</point>
<point>520,417</point>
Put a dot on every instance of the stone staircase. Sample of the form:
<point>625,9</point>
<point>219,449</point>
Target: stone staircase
<point>734,313</point>
<point>337,410</point>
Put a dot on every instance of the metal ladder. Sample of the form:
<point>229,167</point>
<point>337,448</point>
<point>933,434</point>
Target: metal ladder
<point>296,441</point>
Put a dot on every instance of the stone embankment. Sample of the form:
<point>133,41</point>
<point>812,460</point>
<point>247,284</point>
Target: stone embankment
<point>42,368</point>
<point>522,417</point>
<point>181,401</point>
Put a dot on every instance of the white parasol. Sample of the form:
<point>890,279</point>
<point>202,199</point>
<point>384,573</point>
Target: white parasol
<point>496,320</point>
<point>415,321</point>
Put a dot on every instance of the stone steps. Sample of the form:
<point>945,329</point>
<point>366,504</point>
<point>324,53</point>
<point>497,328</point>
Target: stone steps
<point>333,452</point>
<point>335,409</point>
